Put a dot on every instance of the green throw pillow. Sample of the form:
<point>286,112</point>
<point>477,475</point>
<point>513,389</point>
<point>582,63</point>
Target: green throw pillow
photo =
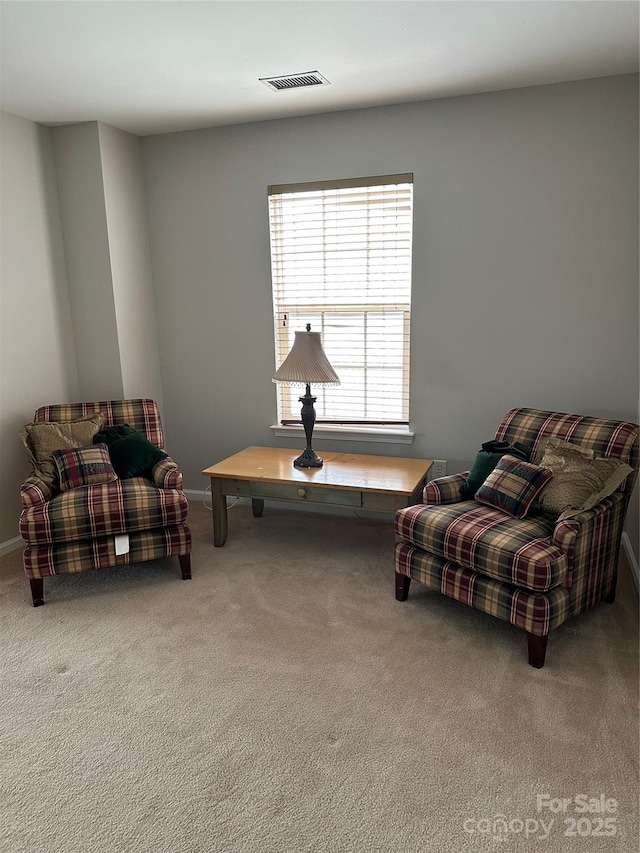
<point>486,460</point>
<point>130,451</point>
<point>112,433</point>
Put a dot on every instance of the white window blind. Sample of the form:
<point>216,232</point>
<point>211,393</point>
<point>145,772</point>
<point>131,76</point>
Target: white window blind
<point>341,261</point>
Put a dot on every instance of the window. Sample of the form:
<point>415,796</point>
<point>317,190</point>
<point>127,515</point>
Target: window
<point>341,261</point>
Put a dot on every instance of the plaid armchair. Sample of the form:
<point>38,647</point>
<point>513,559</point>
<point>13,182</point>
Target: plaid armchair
<point>536,571</point>
<point>73,530</point>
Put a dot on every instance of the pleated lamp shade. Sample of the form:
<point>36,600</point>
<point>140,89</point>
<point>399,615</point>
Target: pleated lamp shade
<point>306,363</point>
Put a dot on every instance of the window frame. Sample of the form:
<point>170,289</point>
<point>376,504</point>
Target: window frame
<point>378,429</point>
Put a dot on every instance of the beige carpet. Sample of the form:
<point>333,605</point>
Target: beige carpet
<point>283,700</point>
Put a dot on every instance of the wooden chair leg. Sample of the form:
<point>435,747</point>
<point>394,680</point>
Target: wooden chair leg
<point>185,566</point>
<point>402,587</point>
<point>37,591</point>
<point>537,649</point>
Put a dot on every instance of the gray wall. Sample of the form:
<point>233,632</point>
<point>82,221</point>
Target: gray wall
<point>37,362</point>
<point>130,266</point>
<point>525,262</point>
<point>87,253</point>
<point>104,224</point>
<point>525,266</point>
<point>78,314</point>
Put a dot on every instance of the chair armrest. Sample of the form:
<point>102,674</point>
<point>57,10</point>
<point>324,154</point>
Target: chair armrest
<point>591,539</point>
<point>166,475</point>
<point>35,492</point>
<point>444,490</point>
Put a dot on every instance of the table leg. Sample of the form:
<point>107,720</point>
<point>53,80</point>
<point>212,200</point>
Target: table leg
<point>257,507</point>
<point>219,512</point>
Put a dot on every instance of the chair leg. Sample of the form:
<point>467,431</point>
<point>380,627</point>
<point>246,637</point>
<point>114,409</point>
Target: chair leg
<point>37,591</point>
<point>402,587</point>
<point>185,566</point>
<point>537,649</point>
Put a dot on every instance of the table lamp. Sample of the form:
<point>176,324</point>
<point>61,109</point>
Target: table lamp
<point>307,363</point>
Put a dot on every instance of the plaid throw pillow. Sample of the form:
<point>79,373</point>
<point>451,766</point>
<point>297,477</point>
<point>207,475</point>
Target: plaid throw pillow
<point>513,485</point>
<point>486,460</point>
<point>84,466</point>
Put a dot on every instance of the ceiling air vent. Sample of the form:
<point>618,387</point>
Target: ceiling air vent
<point>295,81</point>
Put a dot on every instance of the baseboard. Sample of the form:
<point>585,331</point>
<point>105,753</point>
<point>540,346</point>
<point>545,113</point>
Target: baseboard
<point>195,493</point>
<point>633,563</point>
<point>11,545</point>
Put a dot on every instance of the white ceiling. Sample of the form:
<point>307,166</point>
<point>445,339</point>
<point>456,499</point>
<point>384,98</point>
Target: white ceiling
<point>153,66</point>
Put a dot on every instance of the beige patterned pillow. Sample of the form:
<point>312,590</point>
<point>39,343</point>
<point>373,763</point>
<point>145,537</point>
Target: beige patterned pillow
<point>42,439</point>
<point>579,481</point>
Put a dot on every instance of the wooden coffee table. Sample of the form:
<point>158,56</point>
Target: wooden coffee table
<point>380,483</point>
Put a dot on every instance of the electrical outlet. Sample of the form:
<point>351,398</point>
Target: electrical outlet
<point>439,468</point>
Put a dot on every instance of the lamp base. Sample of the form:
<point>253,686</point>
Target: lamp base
<point>308,459</point>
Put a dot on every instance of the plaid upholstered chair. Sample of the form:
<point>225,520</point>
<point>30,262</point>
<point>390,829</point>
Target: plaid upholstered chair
<point>532,559</point>
<point>78,514</point>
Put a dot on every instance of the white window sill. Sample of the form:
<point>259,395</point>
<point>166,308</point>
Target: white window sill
<point>389,435</point>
